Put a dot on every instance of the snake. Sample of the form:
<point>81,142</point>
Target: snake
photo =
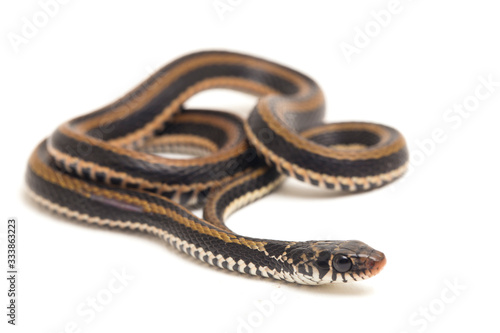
<point>106,168</point>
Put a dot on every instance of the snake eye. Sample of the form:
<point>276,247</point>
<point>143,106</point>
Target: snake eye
<point>323,260</point>
<point>342,263</point>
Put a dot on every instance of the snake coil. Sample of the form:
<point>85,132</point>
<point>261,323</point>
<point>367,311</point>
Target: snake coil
<point>100,167</point>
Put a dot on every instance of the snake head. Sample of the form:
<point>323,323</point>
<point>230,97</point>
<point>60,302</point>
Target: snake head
<point>321,262</point>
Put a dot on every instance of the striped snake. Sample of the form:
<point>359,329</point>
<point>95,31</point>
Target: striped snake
<point>101,168</point>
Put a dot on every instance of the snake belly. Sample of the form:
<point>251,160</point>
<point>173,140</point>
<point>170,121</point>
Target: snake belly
<point>100,168</point>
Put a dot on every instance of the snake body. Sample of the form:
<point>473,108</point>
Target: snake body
<point>100,167</point>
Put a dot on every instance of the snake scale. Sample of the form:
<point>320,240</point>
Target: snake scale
<point>102,168</point>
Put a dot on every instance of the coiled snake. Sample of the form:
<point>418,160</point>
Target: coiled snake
<point>99,168</point>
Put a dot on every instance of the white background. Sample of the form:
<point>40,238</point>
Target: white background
<point>437,226</point>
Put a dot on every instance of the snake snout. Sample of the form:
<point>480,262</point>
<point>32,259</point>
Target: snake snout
<point>376,261</point>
